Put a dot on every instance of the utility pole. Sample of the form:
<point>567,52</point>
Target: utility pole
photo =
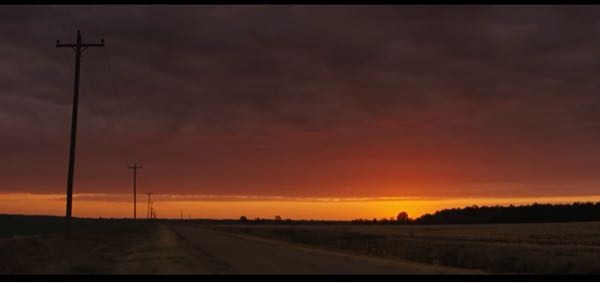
<point>148,209</point>
<point>181,214</point>
<point>135,167</point>
<point>78,51</point>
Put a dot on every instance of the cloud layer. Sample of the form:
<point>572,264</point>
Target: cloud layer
<point>303,100</point>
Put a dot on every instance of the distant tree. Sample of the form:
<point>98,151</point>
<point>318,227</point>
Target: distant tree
<point>243,218</point>
<point>402,217</point>
<point>535,212</point>
<point>277,218</point>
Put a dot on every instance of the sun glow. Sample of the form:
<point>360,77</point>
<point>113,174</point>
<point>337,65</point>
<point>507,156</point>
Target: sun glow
<point>232,207</point>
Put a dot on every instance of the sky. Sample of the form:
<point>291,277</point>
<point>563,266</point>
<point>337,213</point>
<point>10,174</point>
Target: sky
<point>470,103</point>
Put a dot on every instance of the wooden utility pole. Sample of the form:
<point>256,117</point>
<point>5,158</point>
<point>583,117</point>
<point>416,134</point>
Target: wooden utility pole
<point>135,167</point>
<point>78,51</point>
<point>148,209</point>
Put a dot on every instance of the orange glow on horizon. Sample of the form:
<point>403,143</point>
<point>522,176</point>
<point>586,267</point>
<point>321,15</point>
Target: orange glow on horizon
<point>232,207</point>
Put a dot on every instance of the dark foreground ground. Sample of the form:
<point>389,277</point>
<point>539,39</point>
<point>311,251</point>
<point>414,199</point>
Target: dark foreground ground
<point>233,253</point>
<point>529,248</point>
<point>176,247</point>
<point>95,247</point>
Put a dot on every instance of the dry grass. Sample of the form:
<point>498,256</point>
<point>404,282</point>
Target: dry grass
<point>135,248</point>
<point>545,248</point>
<point>107,247</point>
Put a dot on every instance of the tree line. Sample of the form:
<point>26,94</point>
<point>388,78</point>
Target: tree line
<point>578,211</point>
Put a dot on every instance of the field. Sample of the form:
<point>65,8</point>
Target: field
<point>541,248</point>
<point>36,245</point>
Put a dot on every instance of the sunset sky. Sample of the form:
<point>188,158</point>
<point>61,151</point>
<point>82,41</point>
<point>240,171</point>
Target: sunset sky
<point>300,111</point>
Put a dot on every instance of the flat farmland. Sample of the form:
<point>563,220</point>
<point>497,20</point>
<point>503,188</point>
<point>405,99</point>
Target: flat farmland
<point>36,245</point>
<point>234,253</point>
<point>537,248</point>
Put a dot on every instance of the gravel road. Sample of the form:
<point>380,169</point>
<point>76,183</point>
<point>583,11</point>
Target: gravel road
<point>228,253</point>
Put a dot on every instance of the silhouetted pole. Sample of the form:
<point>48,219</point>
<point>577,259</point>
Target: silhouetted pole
<point>135,167</point>
<point>77,46</point>
<point>182,214</point>
<point>148,209</point>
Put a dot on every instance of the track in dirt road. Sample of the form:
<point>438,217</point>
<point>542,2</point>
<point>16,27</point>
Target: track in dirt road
<point>226,253</point>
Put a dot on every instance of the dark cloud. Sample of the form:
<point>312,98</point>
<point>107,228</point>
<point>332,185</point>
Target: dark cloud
<point>255,99</point>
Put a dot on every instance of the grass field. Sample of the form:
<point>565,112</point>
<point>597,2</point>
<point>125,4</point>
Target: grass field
<point>34,245</point>
<point>542,248</point>
<point>18,225</point>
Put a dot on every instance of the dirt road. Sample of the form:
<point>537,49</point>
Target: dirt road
<point>228,253</point>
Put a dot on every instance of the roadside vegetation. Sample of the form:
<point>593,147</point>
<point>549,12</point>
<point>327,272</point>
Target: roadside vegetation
<point>37,245</point>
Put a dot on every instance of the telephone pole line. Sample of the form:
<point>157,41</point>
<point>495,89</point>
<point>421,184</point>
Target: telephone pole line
<point>78,51</point>
<point>148,209</point>
<point>135,167</point>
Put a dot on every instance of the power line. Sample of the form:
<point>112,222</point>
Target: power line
<point>148,209</point>
<point>78,51</point>
<point>107,123</point>
<point>98,106</point>
<point>102,109</point>
<point>135,167</point>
